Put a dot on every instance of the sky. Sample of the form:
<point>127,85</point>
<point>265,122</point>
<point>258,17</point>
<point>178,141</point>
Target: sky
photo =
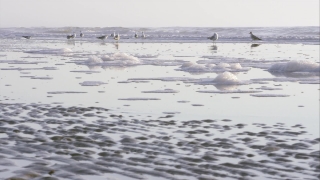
<point>158,13</point>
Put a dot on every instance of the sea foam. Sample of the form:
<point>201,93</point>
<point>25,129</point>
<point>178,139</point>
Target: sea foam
<point>51,51</point>
<point>203,68</point>
<point>226,78</point>
<point>116,59</point>
<point>295,66</point>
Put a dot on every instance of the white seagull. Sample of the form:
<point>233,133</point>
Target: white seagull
<point>253,37</point>
<point>214,37</point>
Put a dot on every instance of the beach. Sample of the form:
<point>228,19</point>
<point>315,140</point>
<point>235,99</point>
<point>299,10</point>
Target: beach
<point>179,108</point>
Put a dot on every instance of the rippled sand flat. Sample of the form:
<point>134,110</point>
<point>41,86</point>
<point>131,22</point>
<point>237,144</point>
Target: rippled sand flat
<point>91,110</point>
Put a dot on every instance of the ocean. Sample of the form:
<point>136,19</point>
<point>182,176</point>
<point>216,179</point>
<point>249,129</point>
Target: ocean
<point>291,35</point>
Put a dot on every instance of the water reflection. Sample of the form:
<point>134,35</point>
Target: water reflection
<point>116,45</point>
<point>213,48</point>
<point>71,42</point>
<point>255,45</point>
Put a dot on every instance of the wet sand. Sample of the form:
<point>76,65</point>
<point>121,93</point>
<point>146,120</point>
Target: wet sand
<point>157,111</point>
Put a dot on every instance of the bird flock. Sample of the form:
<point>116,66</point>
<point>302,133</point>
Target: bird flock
<point>116,37</point>
<point>113,35</point>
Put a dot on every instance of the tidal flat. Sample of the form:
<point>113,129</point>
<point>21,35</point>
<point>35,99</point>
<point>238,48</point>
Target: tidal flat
<point>86,109</point>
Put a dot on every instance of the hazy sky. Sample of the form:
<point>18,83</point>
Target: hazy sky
<point>158,13</point>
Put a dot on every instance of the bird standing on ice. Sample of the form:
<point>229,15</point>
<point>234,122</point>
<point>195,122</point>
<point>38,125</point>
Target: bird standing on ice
<point>253,37</point>
<point>136,35</point>
<point>214,37</point>
<point>143,35</point>
<point>81,34</point>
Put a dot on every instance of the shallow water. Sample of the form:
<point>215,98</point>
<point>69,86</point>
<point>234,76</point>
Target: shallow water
<point>79,109</point>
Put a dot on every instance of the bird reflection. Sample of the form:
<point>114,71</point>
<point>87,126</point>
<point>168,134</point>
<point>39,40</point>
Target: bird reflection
<point>116,45</point>
<point>255,45</point>
<point>71,42</point>
<point>213,48</point>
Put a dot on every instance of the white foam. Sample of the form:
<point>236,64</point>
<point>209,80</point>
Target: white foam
<point>51,51</point>
<point>146,56</point>
<point>162,91</point>
<point>228,91</point>
<point>116,59</point>
<point>295,66</point>
<point>65,92</point>
<point>226,78</point>
<point>92,83</point>
<point>94,60</point>
<point>138,99</point>
<point>221,67</point>
<point>269,95</point>
<point>269,88</point>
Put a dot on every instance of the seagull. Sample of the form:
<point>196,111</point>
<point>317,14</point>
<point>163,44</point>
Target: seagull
<point>253,37</point>
<point>117,37</point>
<point>81,34</point>
<point>214,37</point>
<point>136,35</point>
<point>71,36</point>
<point>102,37</point>
<point>27,37</point>
<point>143,36</point>
<point>113,35</point>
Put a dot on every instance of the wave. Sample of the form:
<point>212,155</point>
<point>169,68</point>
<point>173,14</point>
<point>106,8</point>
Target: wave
<point>305,35</point>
